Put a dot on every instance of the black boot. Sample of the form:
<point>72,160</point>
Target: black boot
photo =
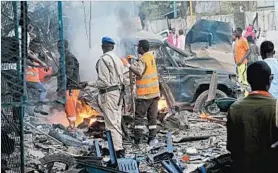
<point>152,137</point>
<point>120,153</point>
<point>105,151</point>
<point>138,139</point>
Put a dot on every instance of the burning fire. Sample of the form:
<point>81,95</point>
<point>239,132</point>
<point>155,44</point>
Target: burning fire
<point>85,111</point>
<point>204,116</point>
<point>162,105</point>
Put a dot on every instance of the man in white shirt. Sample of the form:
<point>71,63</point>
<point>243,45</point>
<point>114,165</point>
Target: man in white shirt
<point>267,53</point>
<point>181,40</point>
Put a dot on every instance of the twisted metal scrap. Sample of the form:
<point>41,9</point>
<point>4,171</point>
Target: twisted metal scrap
<point>89,96</point>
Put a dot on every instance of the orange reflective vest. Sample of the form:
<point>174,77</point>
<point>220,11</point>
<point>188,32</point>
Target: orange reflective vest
<point>148,83</point>
<point>32,74</point>
<point>43,72</point>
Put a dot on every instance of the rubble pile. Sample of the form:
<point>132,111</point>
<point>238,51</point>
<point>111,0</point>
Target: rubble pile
<point>194,145</point>
<point>196,142</point>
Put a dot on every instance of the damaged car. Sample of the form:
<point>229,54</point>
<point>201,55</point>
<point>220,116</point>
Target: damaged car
<point>185,75</point>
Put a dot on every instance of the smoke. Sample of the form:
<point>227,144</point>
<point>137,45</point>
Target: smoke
<point>58,117</point>
<point>111,19</point>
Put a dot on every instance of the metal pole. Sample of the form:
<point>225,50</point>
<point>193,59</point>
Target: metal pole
<point>191,12</point>
<point>16,36</point>
<point>90,23</point>
<point>62,57</point>
<point>175,9</point>
<point>24,54</point>
<point>15,18</point>
<point>112,152</point>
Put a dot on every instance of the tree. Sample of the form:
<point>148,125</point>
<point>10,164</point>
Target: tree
<point>184,9</point>
<point>7,17</point>
<point>156,9</point>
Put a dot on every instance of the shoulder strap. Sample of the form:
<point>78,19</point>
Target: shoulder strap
<point>116,68</point>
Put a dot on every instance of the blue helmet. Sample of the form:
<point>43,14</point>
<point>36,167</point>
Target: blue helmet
<point>107,40</point>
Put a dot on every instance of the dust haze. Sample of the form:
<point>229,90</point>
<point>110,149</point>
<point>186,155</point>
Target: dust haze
<point>113,19</point>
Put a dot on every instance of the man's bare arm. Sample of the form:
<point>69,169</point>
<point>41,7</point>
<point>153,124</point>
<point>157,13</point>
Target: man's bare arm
<point>135,71</point>
<point>34,58</point>
<point>29,63</point>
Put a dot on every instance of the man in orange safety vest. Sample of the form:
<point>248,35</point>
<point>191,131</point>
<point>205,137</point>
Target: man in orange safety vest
<point>147,90</point>
<point>33,79</point>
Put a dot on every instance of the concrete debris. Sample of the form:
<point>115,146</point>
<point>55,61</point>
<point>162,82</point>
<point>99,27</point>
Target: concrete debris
<point>195,143</point>
<point>191,151</point>
<point>35,154</point>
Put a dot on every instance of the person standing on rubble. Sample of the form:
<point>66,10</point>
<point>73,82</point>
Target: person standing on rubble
<point>72,85</point>
<point>252,126</point>
<point>110,72</point>
<point>242,52</point>
<point>267,53</point>
<point>32,75</point>
<point>148,93</point>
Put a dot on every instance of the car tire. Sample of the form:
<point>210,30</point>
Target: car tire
<point>200,102</point>
<point>50,159</point>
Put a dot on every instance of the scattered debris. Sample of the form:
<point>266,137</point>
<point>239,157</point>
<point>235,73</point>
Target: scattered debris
<point>195,144</point>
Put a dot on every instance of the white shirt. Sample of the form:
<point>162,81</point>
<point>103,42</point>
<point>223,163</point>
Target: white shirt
<point>273,64</point>
<point>181,42</point>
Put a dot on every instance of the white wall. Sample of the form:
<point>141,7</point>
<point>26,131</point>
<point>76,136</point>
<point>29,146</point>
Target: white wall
<point>267,21</point>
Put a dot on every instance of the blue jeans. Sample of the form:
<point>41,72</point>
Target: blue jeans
<point>38,86</point>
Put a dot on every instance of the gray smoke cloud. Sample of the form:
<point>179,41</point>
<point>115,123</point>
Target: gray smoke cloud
<point>113,19</point>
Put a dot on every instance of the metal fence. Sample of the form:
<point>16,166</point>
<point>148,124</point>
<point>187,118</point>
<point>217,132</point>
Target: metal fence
<point>28,29</point>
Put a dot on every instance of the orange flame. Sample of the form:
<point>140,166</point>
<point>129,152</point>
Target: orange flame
<point>85,111</point>
<point>204,116</point>
<point>162,105</point>
<point>82,111</point>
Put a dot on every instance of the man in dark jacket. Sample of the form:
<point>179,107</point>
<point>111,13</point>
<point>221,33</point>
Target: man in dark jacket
<point>254,55</point>
<point>251,127</point>
<point>72,85</point>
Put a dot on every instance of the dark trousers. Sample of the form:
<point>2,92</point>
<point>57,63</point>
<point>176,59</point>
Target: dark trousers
<point>143,107</point>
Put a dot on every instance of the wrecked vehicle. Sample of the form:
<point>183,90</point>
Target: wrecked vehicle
<point>188,73</point>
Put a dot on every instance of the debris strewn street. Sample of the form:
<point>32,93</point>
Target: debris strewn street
<point>139,87</point>
<point>193,146</point>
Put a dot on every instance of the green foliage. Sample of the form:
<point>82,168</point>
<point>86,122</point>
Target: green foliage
<point>156,9</point>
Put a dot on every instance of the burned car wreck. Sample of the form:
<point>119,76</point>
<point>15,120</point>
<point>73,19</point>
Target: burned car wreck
<point>188,73</point>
